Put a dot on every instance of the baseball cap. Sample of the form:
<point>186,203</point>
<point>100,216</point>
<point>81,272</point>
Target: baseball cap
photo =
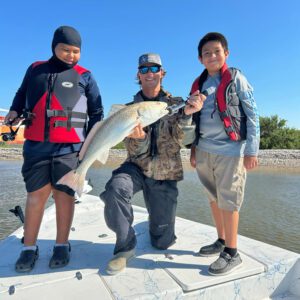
<point>149,58</point>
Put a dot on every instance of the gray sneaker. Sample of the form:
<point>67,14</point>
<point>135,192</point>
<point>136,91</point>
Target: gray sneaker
<point>225,264</point>
<point>211,250</point>
<point>119,261</point>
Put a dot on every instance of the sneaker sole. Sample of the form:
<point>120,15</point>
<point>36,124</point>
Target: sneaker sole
<point>60,265</point>
<point>207,255</point>
<point>109,272</point>
<point>228,272</point>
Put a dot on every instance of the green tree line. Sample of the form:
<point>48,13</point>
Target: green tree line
<point>274,134</point>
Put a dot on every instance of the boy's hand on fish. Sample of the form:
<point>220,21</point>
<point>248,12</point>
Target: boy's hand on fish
<point>194,103</point>
<point>138,132</point>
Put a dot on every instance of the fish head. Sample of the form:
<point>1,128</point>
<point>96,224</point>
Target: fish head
<point>151,111</point>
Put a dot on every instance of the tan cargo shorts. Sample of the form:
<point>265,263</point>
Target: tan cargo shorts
<point>223,178</point>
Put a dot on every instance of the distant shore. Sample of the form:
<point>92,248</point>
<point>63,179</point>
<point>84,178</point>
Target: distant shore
<point>267,158</point>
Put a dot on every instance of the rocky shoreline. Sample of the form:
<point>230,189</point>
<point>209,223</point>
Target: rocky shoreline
<point>268,158</point>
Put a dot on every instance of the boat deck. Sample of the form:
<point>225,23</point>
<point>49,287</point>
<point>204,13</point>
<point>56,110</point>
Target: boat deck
<point>268,272</point>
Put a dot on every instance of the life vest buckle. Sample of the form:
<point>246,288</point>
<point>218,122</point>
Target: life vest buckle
<point>230,129</point>
<point>224,114</point>
<point>28,117</point>
<point>55,113</point>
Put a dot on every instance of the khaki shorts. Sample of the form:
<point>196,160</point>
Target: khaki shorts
<point>223,177</point>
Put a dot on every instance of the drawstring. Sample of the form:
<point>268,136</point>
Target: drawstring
<point>215,107</point>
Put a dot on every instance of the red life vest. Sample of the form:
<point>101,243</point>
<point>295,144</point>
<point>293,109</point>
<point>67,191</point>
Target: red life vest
<point>228,103</point>
<point>59,109</point>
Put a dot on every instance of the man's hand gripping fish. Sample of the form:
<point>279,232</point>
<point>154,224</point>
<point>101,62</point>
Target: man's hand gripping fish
<point>108,133</point>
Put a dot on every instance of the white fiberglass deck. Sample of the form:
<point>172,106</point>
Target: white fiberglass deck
<point>176,273</point>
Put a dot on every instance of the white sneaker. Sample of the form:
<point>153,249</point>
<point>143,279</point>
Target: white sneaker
<point>119,261</point>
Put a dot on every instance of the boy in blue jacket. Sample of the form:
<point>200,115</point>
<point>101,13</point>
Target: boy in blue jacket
<point>226,145</point>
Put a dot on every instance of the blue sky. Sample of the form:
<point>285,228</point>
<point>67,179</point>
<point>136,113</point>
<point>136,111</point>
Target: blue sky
<point>263,36</point>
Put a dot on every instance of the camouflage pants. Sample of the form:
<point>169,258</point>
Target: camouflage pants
<point>161,201</point>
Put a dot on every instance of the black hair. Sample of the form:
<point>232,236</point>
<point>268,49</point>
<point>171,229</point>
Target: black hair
<point>212,36</point>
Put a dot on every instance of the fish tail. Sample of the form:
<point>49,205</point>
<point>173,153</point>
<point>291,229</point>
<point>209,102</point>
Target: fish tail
<point>73,180</point>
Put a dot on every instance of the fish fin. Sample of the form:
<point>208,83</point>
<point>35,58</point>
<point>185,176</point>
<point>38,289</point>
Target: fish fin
<point>73,180</point>
<point>103,156</point>
<point>89,138</point>
<point>115,108</point>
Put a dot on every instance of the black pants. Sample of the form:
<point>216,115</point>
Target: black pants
<point>160,199</point>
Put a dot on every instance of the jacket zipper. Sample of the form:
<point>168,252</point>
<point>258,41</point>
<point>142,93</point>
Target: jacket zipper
<point>48,100</point>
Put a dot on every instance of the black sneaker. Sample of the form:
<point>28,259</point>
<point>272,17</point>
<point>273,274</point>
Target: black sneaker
<point>60,257</point>
<point>26,260</point>
<point>225,264</point>
<point>211,250</point>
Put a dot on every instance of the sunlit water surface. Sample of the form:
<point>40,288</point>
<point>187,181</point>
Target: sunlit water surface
<point>270,212</point>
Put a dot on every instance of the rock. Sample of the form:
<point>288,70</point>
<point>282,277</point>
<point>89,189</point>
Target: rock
<point>11,153</point>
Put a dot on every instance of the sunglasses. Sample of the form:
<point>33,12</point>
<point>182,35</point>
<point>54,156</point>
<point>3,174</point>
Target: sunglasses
<point>152,69</point>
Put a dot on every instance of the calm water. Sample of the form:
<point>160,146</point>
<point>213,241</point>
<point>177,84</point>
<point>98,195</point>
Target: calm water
<point>270,212</point>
